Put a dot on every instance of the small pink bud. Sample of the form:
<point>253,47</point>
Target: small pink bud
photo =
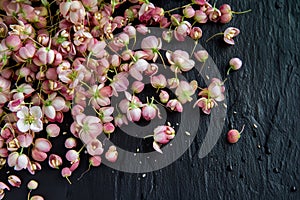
<point>70,143</point>
<point>149,112</point>
<point>32,185</point>
<point>164,96</point>
<point>233,136</point>
<point>55,161</point>
<point>14,181</point>
<point>95,161</point>
<point>200,17</point>
<point>175,105</point>
<point>53,130</point>
<point>201,55</point>
<point>235,63</point>
<point>225,9</point>
<point>189,12</point>
<point>66,172</point>
<point>225,18</point>
<point>108,128</point>
<point>13,42</point>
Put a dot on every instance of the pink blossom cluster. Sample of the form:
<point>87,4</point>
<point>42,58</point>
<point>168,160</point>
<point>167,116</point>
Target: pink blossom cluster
<point>57,63</point>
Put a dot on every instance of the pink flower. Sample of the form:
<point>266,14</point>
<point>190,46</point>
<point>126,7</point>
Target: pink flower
<point>18,161</point>
<point>53,104</point>
<point>175,105</point>
<point>44,56</point>
<point>158,81</point>
<point>164,96</point>
<point>27,51</point>
<point>188,12</point>
<point>138,68</point>
<point>43,145</point>
<point>196,33</point>
<point>180,61</point>
<point>32,185</point>
<point>70,143</point>
<point>3,187</point>
<point>90,127</point>
<point>162,135</point>
<point>4,90</point>
<point>55,161</point>
<point>30,119</point>
<point>112,154</point>
<point>25,140</point>
<point>36,197</point>
<point>95,161</point>
<point>13,42</point>
<point>235,63</point>
<point>38,156</point>
<point>100,95</point>
<point>184,92</point>
<point>119,83</point>
<point>205,104</point>
<point>105,114</point>
<point>151,45</point>
<point>150,110</point>
<point>201,55</point>
<point>108,128</point>
<point>137,86</point>
<point>14,181</point>
<point>229,34</point>
<point>52,130</point>
<point>214,14</point>
<point>94,147</point>
<point>182,30</point>
<point>73,11</point>
<point>72,155</point>
<point>200,17</point>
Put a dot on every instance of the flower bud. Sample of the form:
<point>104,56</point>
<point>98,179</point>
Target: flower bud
<point>235,63</point>
<point>13,42</point>
<point>32,185</point>
<point>164,96</point>
<point>233,136</point>
<point>70,143</point>
<point>95,161</point>
<point>189,12</point>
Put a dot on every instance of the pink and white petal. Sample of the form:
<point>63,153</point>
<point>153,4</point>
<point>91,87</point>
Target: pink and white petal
<point>50,111</point>
<point>23,112</point>
<point>156,147</point>
<point>58,103</point>
<point>36,111</point>
<point>37,126</point>
<point>22,125</point>
<point>90,120</point>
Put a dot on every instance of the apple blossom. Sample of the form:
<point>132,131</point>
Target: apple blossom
<point>180,61</point>
<point>30,119</point>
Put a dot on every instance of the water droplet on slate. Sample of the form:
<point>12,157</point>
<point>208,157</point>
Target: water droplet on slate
<point>229,168</point>
<point>293,189</point>
<point>276,170</point>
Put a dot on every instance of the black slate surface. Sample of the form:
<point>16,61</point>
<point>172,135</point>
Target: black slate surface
<point>264,164</point>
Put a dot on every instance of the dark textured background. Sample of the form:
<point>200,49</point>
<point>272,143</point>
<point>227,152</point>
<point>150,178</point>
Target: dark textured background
<point>264,164</point>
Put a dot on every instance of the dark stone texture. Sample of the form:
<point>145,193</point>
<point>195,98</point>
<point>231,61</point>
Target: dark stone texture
<point>265,92</point>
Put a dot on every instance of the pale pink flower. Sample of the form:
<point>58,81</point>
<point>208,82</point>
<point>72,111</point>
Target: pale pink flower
<point>142,29</point>
<point>214,14</point>
<point>119,83</point>
<point>90,127</point>
<point>162,135</point>
<point>14,181</point>
<point>229,34</point>
<point>164,96</point>
<point>173,82</point>
<point>3,187</point>
<point>137,69</point>
<point>182,30</point>
<point>105,114</point>
<point>94,147</point>
<point>205,104</point>
<point>96,48</point>
<point>44,56</point>
<point>215,90</point>
<point>100,95</point>
<point>43,145</point>
<point>38,156</point>
<point>53,104</point>
<point>30,119</point>
<point>72,155</point>
<point>175,105</point>
<point>25,140</point>
<point>70,143</point>
<point>108,128</point>
<point>36,197</point>
<point>95,161</point>
<point>151,45</point>
<point>16,103</point>
<point>158,81</point>
<point>73,11</point>
<point>180,61</point>
<point>55,161</point>
<point>112,154</point>
<point>18,161</point>
<point>149,111</point>
<point>137,86</point>
<point>27,52</point>
<point>4,90</point>
<point>184,92</point>
<point>188,12</point>
<point>13,42</point>
<point>32,185</point>
<point>33,166</point>
<point>52,130</point>
<point>201,55</point>
<point>200,17</point>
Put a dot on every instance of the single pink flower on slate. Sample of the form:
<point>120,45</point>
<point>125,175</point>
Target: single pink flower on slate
<point>229,34</point>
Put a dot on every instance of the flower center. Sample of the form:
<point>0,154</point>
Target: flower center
<point>29,119</point>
